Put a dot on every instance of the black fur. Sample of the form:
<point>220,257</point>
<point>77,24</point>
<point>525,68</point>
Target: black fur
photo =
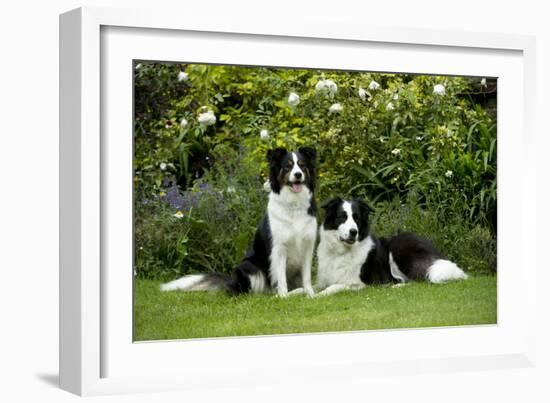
<point>309,156</point>
<point>362,210</point>
<point>257,258</point>
<point>275,158</point>
<point>376,269</point>
<point>334,214</point>
<point>281,162</point>
<point>412,253</point>
<point>258,255</point>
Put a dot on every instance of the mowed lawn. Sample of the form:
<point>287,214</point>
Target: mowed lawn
<point>181,315</point>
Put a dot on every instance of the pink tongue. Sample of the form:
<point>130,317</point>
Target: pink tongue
<point>297,187</point>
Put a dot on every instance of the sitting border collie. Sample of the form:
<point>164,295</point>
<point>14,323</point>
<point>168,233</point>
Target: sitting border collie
<point>350,256</point>
<point>282,250</point>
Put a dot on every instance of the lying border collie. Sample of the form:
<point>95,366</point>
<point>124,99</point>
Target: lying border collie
<point>350,256</point>
<point>282,250</point>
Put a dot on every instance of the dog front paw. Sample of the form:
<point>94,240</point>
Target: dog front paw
<point>296,291</point>
<point>282,293</point>
<point>308,290</point>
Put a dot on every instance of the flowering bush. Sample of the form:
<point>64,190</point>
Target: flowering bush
<point>378,136</point>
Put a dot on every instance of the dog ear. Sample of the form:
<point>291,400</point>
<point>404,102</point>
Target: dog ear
<point>308,152</point>
<point>364,207</point>
<point>276,155</point>
<point>331,203</point>
<point>364,211</point>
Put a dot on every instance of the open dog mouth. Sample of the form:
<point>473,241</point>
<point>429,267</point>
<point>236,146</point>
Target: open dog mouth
<point>349,241</point>
<point>296,187</point>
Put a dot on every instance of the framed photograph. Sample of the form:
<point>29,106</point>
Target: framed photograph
<point>243,203</point>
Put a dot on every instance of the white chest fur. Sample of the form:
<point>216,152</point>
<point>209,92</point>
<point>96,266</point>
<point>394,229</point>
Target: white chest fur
<point>293,233</point>
<point>340,263</point>
<point>291,226</point>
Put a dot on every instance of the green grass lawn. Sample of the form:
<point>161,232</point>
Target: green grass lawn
<point>180,315</point>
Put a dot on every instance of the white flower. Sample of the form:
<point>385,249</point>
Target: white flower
<point>230,189</point>
<point>396,151</point>
<point>183,123</point>
<point>449,174</point>
<point>327,86</point>
<point>183,76</point>
<point>389,106</point>
<point>332,87</point>
<point>138,66</point>
<point>419,138</point>
<point>439,89</point>
<point>293,99</point>
<point>374,85</point>
<point>320,86</point>
<point>483,82</point>
<point>264,134</point>
<point>163,166</point>
<point>335,108</point>
<point>362,94</point>
<point>207,118</point>
<point>267,186</point>
<point>178,215</point>
<point>381,139</point>
<point>395,96</point>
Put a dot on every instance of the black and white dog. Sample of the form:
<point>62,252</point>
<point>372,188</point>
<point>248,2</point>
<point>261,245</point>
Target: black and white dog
<point>282,251</point>
<point>350,256</point>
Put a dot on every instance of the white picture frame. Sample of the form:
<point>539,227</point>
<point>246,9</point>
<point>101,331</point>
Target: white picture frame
<point>96,354</point>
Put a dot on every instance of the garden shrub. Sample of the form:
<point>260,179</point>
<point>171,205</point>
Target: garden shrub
<point>417,147</point>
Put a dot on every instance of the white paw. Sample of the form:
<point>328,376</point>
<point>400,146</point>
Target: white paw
<point>399,285</point>
<point>282,293</point>
<point>309,291</point>
<point>296,291</point>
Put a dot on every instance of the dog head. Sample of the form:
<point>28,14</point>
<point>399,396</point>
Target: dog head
<point>294,170</point>
<point>347,220</point>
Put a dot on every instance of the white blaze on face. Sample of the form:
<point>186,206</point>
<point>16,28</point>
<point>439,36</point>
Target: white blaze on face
<point>296,187</point>
<point>345,228</point>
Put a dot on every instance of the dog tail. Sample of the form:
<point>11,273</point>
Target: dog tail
<point>201,282</point>
<point>443,270</point>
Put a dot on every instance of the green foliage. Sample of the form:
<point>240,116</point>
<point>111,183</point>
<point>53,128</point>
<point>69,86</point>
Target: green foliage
<point>471,246</point>
<point>218,219</point>
<point>401,144</point>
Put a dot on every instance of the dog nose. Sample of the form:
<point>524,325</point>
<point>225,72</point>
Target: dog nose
<point>297,175</point>
<point>353,232</point>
